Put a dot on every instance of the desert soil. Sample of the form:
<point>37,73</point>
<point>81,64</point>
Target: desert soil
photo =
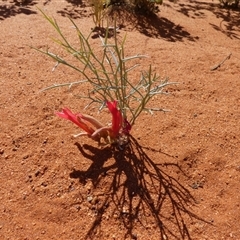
<point>179,177</point>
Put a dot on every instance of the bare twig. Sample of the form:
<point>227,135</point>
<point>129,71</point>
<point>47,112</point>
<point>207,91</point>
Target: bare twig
<point>219,65</point>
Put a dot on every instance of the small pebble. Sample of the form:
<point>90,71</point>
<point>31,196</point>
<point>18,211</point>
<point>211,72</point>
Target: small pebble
<point>37,173</point>
<point>44,184</point>
<point>89,198</point>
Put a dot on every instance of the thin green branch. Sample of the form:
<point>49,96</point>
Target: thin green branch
<point>108,73</point>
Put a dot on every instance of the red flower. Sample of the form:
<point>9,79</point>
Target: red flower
<point>116,118</point>
<point>77,119</point>
<point>96,130</point>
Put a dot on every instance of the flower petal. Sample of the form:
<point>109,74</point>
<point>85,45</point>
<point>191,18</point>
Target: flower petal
<point>116,117</point>
<point>92,120</point>
<point>75,118</point>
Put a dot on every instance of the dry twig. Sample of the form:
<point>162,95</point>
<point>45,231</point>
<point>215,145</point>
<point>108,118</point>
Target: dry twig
<point>219,65</point>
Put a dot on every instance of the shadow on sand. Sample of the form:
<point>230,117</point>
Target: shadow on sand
<point>13,8</point>
<point>228,17</point>
<point>149,24</point>
<point>137,191</point>
<point>155,26</point>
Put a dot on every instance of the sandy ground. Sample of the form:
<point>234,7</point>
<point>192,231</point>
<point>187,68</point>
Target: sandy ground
<point>178,179</point>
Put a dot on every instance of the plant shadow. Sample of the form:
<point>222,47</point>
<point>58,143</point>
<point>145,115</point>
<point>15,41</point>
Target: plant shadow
<point>75,9</point>
<point>137,191</point>
<point>149,24</point>
<point>13,8</point>
<point>229,17</point>
<point>159,27</point>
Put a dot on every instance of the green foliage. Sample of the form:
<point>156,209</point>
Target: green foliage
<point>107,74</point>
<point>98,10</point>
